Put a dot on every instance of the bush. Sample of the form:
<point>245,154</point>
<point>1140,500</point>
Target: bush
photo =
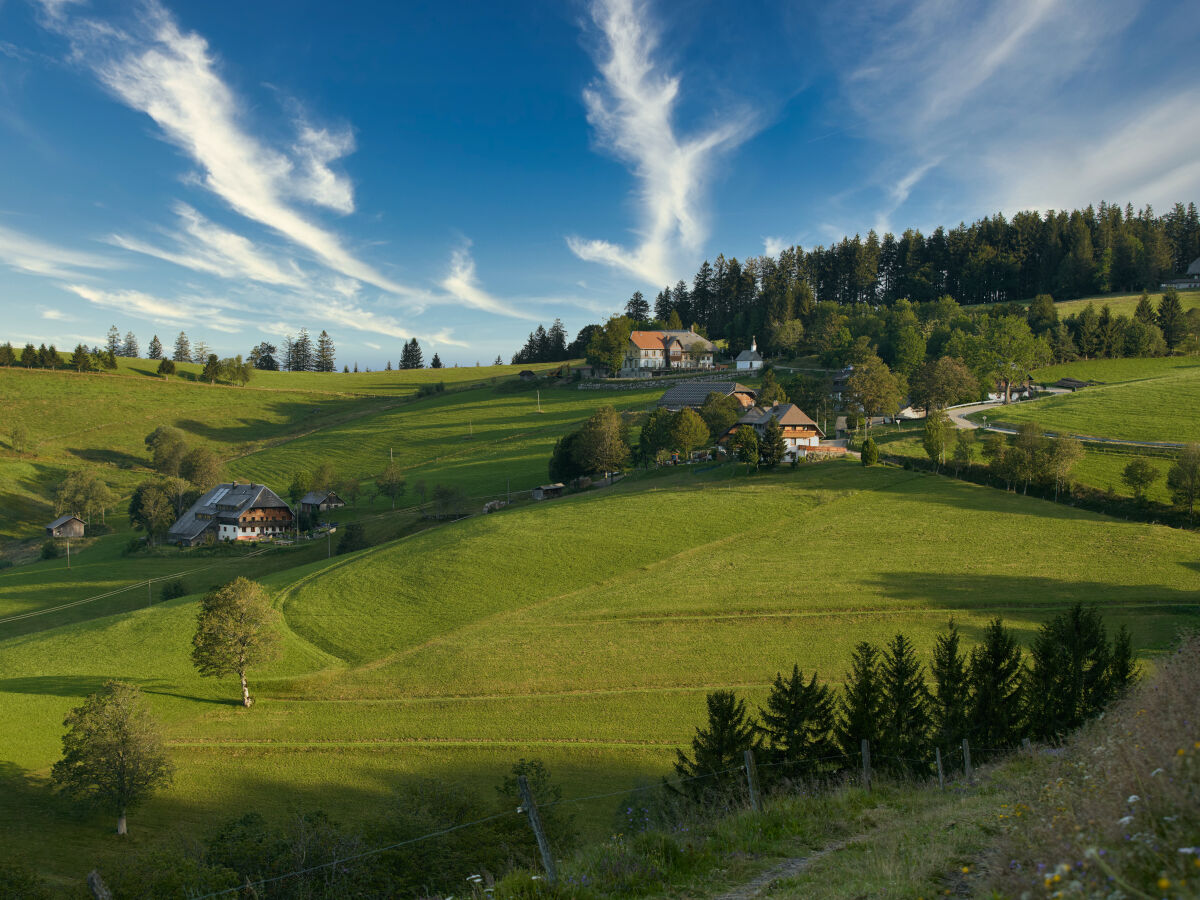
<point>173,589</point>
<point>50,550</point>
<point>18,882</point>
<point>870,452</point>
<point>6,563</point>
<point>353,538</point>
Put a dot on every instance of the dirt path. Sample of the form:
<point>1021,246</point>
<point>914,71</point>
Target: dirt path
<point>789,868</point>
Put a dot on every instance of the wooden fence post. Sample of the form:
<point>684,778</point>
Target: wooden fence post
<point>967,770</point>
<point>866,763</point>
<point>535,822</point>
<point>1026,745</point>
<point>752,780</point>
<point>96,885</point>
<point>941,773</point>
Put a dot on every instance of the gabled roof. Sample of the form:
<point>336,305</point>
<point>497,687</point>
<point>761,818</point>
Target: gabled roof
<point>316,498</point>
<point>63,520</point>
<point>749,356</point>
<point>1194,268</point>
<point>694,393</point>
<point>784,413</point>
<point>647,340</point>
<point>226,501</point>
<point>657,340</point>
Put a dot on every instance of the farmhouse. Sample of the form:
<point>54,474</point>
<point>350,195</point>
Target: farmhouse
<point>694,393</point>
<point>1189,280</point>
<point>233,512</point>
<point>749,360</point>
<point>66,527</point>
<point>649,351</point>
<point>800,433</point>
<point>319,501</point>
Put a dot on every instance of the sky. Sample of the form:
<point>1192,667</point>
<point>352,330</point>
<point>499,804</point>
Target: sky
<point>459,172</point>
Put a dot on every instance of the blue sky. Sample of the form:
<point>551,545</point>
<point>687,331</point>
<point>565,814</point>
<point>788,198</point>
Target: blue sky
<point>463,171</point>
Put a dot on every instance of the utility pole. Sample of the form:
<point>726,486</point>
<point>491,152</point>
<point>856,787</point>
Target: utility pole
<point>329,544</point>
<point>68,553</point>
<point>539,396</point>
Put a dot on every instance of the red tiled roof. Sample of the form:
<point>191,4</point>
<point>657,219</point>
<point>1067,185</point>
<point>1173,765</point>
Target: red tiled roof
<point>647,340</point>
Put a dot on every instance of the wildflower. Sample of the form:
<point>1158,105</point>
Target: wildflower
<point>1133,798</point>
<point>966,870</point>
<point>1189,849</point>
<point>1124,820</point>
<point>1180,752</point>
<point>1164,883</point>
<point>1157,771</point>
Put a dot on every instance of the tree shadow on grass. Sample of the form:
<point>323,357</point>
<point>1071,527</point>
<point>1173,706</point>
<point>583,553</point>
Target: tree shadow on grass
<point>83,685</point>
<point>109,457</point>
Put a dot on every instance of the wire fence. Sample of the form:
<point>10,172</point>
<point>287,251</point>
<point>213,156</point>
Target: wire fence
<point>746,779</point>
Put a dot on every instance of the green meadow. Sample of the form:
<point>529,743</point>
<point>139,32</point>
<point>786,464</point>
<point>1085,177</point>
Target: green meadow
<point>1123,304</point>
<point>584,631</point>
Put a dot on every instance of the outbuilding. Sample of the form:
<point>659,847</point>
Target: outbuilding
<point>547,491</point>
<point>68,526</point>
<point>319,501</point>
<point>749,360</point>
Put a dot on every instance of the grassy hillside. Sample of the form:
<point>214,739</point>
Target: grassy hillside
<point>99,421</point>
<point>584,631</point>
<point>1123,304</point>
<point>1161,408</point>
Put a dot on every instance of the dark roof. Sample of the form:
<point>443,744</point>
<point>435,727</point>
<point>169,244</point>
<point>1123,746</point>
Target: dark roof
<point>694,393</point>
<point>63,520</point>
<point>316,498</point>
<point>784,413</point>
<point>749,356</point>
<point>1194,268</point>
<point>226,501</point>
<point>1073,383</point>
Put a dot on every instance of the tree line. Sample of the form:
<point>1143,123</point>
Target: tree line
<point>994,696</point>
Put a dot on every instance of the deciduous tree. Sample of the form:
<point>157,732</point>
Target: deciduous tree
<point>745,445</point>
<point>688,431</point>
<point>236,629</point>
<point>601,445</point>
<point>1183,478</point>
<point>1138,475</point>
<point>113,751</point>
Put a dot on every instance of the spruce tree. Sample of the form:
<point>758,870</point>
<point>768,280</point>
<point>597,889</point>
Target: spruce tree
<point>1171,320</point>
<point>772,448</point>
<point>7,357</point>
<point>81,360</point>
<point>325,355</point>
<point>637,308</point>
<point>113,341</point>
<point>717,748</point>
<point>155,351</point>
<point>436,362</point>
<point>1069,680</point>
<point>29,357</point>
<point>862,700</point>
<point>905,725</point>
<point>129,348</point>
<point>1145,310</point>
<point>951,693</point>
<point>995,676</point>
<point>183,349</point>
<point>798,724</point>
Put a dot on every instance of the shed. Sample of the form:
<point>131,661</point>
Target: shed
<point>68,526</point>
<point>319,501</point>
<point>546,491</point>
<point>527,375</point>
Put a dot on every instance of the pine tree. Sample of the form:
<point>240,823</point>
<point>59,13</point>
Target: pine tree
<point>29,357</point>
<point>183,349</point>
<point>1145,310</point>
<point>995,676</point>
<point>717,748</point>
<point>7,356</point>
<point>410,357</point>
<point>951,694</point>
<point>637,308</point>
<point>1069,679</point>
<point>862,701</point>
<point>81,360</point>
<point>1171,320</point>
<point>798,724</point>
<point>436,362</point>
<point>556,342</point>
<point>113,344</point>
<point>302,357</point>
<point>905,726</point>
<point>325,356</point>
<point>155,351</point>
<point>772,448</point>
<point>200,352</point>
<point>130,348</point>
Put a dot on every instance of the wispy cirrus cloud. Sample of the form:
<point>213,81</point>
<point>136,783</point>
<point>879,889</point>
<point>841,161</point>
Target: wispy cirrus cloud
<point>632,109</point>
<point>204,246</point>
<point>462,284</point>
<point>173,77</point>
<point>213,313</point>
<point>37,257</point>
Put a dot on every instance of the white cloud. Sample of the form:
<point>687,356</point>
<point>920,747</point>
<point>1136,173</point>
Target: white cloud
<point>207,247</point>
<point>631,108</point>
<point>173,78</point>
<point>212,313</point>
<point>55,315</point>
<point>26,254</point>
<point>373,346</point>
<point>462,285</point>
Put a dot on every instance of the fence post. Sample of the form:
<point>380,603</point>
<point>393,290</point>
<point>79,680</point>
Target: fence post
<point>535,822</point>
<point>1026,745</point>
<point>96,885</point>
<point>866,763</point>
<point>941,773</point>
<point>752,780</point>
<point>967,770</point>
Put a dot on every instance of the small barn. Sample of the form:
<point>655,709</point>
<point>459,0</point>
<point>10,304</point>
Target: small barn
<point>548,491</point>
<point>527,375</point>
<point>66,527</point>
<point>319,501</point>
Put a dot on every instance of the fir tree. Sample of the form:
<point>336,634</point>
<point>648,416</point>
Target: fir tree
<point>772,448</point>
<point>995,675</point>
<point>325,356</point>
<point>1069,680</point>
<point>113,341</point>
<point>7,357</point>
<point>129,348</point>
<point>862,701</point>
<point>436,362</point>
<point>155,351</point>
<point>798,725</point>
<point>81,360</point>
<point>717,748</point>
<point>183,349</point>
<point>637,308</point>
<point>410,357</point>
<point>951,694</point>
<point>1171,320</point>
<point>905,725</point>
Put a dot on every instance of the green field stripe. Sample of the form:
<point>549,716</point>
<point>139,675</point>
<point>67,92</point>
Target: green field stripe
<point>426,742</point>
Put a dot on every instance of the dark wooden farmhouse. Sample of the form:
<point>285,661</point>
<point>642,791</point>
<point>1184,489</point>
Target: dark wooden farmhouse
<point>66,527</point>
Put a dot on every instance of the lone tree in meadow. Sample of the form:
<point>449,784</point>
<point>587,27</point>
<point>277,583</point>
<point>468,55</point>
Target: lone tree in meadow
<point>166,368</point>
<point>1138,475</point>
<point>234,631</point>
<point>1183,479</point>
<point>391,482</point>
<point>113,753</point>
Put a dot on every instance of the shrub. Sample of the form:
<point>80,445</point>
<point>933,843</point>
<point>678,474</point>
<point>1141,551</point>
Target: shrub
<point>50,550</point>
<point>18,882</point>
<point>6,563</point>
<point>173,589</point>
<point>870,452</point>
<point>353,538</point>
